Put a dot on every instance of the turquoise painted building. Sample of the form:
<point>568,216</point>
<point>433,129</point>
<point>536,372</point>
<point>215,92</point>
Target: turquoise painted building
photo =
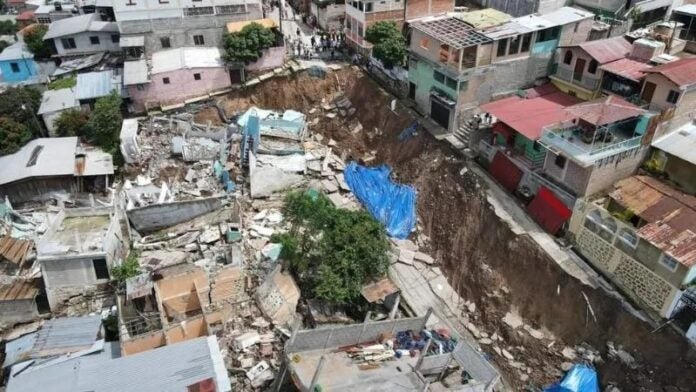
<point>17,64</point>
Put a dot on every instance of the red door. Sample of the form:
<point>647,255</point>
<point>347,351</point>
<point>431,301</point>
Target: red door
<point>506,172</point>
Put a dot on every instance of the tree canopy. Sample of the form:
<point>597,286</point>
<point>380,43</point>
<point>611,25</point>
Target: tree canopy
<point>13,135</point>
<point>35,42</point>
<point>8,27</point>
<point>332,251</point>
<point>71,122</point>
<point>389,43</point>
<point>104,124</point>
<point>20,104</point>
<point>248,44</point>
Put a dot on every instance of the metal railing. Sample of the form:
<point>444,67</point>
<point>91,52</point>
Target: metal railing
<point>552,137</point>
<point>585,81</point>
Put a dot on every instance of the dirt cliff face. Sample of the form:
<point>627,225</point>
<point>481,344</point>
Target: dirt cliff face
<point>480,255</point>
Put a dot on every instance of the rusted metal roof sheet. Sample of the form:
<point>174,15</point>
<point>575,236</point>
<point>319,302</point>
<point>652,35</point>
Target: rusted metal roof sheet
<point>627,68</point>
<point>379,290</point>
<point>15,250</point>
<point>682,72</point>
<point>671,215</point>
<point>607,50</point>
<point>20,289</point>
<point>605,110</point>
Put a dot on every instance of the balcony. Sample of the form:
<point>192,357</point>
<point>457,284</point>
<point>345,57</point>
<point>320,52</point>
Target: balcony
<point>586,148</point>
<point>585,80</point>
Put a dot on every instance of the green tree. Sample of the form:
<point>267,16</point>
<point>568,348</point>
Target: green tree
<point>21,104</point>
<point>36,44</point>
<point>71,122</point>
<point>248,44</point>
<point>332,251</point>
<point>127,269</point>
<point>66,82</point>
<point>104,123</point>
<point>389,43</point>
<point>13,135</point>
<point>8,27</point>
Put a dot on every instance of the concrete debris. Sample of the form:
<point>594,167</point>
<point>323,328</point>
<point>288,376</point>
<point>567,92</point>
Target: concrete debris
<point>246,340</point>
<point>406,256</point>
<point>569,353</point>
<point>622,355</point>
<point>507,355</point>
<point>513,320</point>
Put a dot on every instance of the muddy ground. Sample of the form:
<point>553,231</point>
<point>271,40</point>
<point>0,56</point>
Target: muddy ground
<point>480,255</point>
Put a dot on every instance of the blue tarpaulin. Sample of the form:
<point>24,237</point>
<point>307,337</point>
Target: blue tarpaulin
<point>580,378</point>
<point>392,204</point>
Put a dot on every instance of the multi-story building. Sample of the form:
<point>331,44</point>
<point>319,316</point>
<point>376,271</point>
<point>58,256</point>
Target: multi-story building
<point>642,237</point>
<point>49,13</point>
<point>329,15</point>
<point>669,88</point>
<point>173,24</point>
<point>362,14</point>
<point>455,67</point>
<point>640,12</point>
<point>674,156</point>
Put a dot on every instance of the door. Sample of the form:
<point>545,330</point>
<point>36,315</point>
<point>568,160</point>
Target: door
<point>439,113</point>
<point>648,92</point>
<point>579,69</point>
<point>411,90</point>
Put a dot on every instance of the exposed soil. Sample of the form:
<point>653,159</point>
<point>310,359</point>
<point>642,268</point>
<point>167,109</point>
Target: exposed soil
<point>481,256</point>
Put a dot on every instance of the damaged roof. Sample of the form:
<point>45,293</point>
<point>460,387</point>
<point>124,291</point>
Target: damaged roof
<point>43,157</point>
<point>681,72</point>
<point>671,215</point>
<point>451,31</point>
<point>15,250</point>
<point>605,110</point>
<point>18,290</point>
<point>379,290</point>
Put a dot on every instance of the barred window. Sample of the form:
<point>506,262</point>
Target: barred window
<point>229,9</point>
<point>198,11</point>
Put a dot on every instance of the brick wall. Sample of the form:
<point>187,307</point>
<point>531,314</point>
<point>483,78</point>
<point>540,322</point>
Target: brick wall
<point>610,170</point>
<point>421,8</point>
<point>648,287</point>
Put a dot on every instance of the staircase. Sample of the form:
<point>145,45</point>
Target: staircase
<point>462,135</point>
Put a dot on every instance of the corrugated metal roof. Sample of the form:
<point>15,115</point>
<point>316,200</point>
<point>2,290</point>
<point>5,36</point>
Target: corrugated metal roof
<point>57,100</point>
<point>69,26</point>
<point>16,51</point>
<point>606,50</point>
<point>671,215</point>
<point>605,110</point>
<point>682,72</point>
<point>67,333</point>
<point>97,84</point>
<point>15,250</point>
<point>627,68</point>
<point>680,143</point>
<point>19,289</point>
<point>135,72</point>
<point>174,59</point>
<point>379,290</point>
<point>56,157</point>
<point>170,368</point>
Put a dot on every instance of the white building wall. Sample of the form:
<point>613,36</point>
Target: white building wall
<point>84,45</point>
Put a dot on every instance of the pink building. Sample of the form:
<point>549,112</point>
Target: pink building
<point>174,76</point>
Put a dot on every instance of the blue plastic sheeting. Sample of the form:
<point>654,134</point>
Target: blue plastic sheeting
<point>580,378</point>
<point>392,204</point>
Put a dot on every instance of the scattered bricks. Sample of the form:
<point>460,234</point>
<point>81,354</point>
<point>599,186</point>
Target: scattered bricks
<point>246,340</point>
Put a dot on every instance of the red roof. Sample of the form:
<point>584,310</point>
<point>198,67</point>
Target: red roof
<point>627,68</point>
<point>605,110</point>
<point>26,15</point>
<point>529,116</point>
<point>682,72</point>
<point>607,50</point>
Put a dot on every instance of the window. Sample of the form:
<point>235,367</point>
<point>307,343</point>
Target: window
<point>101,271</point>
<point>34,157</point>
<point>669,262</point>
<point>196,11</point>
<point>549,34</point>
<point>424,43</point>
<point>673,96</point>
<point>575,28</point>
<point>593,67</point>
<point>526,42</point>
<point>452,83</point>
<point>514,45</point>
<point>536,146</point>
<point>115,38</point>
<point>439,76</point>
<point>196,76</point>
<point>502,47</point>
<point>568,58</point>
<point>15,67</point>
<point>368,7</point>
<point>165,80</point>
<point>68,43</point>
<point>628,237</point>
<point>44,20</point>
<point>463,85</point>
<point>560,161</point>
<point>94,40</point>
<point>140,87</point>
<point>198,40</point>
<point>229,9</point>
<point>164,41</point>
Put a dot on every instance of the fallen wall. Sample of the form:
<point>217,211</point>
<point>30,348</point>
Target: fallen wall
<point>160,216</point>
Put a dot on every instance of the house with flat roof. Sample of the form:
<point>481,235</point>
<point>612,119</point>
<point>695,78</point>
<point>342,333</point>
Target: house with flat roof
<point>641,235</point>
<point>55,102</point>
<point>674,156</point>
<point>193,365</point>
<point>77,251</point>
<point>17,65</point>
<point>47,165</point>
<point>49,13</point>
<point>83,35</point>
<point>174,76</point>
